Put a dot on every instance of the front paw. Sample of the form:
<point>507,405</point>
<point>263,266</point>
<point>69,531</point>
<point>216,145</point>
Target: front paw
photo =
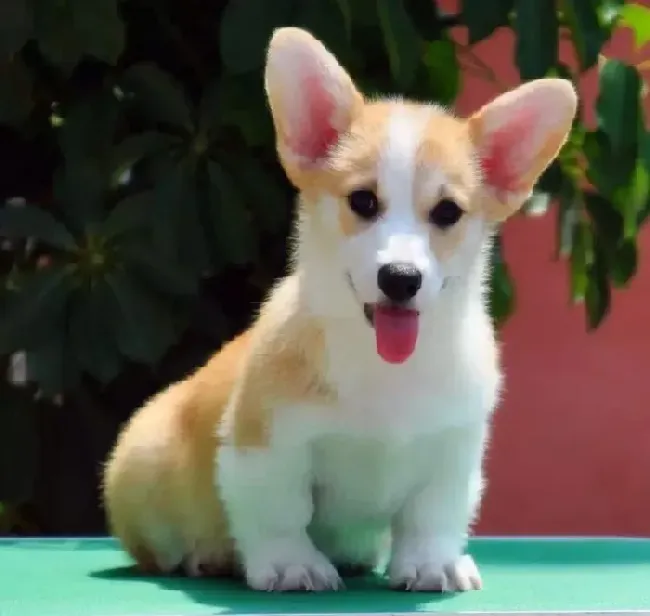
<point>290,565</point>
<point>422,574</point>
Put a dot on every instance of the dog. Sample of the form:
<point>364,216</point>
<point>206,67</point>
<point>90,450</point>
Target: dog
<point>346,428</point>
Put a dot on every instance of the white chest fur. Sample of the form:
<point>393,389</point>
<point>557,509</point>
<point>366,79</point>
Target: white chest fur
<point>364,480</point>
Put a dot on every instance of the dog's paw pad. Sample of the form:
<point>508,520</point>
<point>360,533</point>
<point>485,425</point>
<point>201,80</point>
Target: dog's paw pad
<point>461,575</point>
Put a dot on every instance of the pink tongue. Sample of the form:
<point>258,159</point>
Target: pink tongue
<point>396,330</point>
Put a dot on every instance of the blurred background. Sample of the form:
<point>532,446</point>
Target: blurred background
<point>144,216</point>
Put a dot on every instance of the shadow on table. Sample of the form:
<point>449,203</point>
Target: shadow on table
<point>373,595</point>
<point>231,595</point>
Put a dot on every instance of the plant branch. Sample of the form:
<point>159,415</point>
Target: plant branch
<point>480,68</point>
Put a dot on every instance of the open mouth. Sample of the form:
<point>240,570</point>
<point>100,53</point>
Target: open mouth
<point>396,328</point>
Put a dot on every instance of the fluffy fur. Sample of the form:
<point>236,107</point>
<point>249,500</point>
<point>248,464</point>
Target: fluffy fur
<point>298,449</point>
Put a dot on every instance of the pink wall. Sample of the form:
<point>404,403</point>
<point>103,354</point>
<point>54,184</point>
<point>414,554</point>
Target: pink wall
<point>571,446</point>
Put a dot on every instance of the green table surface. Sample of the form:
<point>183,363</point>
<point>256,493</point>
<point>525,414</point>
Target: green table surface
<point>93,577</point>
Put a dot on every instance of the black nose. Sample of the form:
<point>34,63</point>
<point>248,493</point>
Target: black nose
<point>399,281</point>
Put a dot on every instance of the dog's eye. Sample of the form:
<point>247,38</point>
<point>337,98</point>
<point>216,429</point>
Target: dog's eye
<point>445,214</point>
<point>364,203</point>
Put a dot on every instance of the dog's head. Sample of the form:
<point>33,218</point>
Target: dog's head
<point>404,194</point>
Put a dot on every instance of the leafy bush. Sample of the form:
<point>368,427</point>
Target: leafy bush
<point>145,214</point>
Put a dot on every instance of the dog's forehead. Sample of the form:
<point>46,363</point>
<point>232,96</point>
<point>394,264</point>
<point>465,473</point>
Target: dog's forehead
<point>394,143</point>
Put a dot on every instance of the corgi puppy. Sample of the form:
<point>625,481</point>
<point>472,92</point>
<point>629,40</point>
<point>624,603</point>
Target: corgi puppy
<point>347,426</point>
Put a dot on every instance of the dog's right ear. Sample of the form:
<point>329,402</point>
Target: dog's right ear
<point>312,98</point>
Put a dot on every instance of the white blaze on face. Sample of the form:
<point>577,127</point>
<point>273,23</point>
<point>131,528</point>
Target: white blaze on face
<point>399,236</point>
<point>403,237</point>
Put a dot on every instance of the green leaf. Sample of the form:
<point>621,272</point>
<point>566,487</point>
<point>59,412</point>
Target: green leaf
<point>621,254</point>
<point>587,33</point>
<point>81,187</point>
<point>159,275</point>
<point>536,27</point>
<point>402,41</point>
<point>35,309</point>
<point>143,325</point>
<point>134,148</point>
<point>230,218</point>
<point>582,256</point>
<point>346,12</point>
<point>443,70</point>
<point>48,365</point>
<point>424,16</point>
<point>644,147</point>
<point>609,12</point>
<point>245,31</point>
<point>88,127</point>
<point>483,17</point>
<point>607,171</point>
<point>567,219</point>
<point>210,108</point>
<point>243,105</point>
<point>325,20</point>
<point>598,293</point>
<point>266,194</point>
<point>178,229</point>
<point>631,198</point>
<point>502,292</point>
<point>623,263</point>
<point>99,28</point>
<point>159,95</point>
<point>608,222</point>
<point>92,335</point>
<point>618,107</point>
<point>364,12</point>
<point>30,221</point>
<point>54,30</point>
<point>69,29</point>
<point>552,180</point>
<point>17,22</point>
<point>637,17</point>
<point>16,93</point>
<point>18,445</point>
<point>644,213</point>
<point>130,215</point>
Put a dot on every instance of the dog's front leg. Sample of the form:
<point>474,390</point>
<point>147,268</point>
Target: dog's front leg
<point>430,530</point>
<point>268,498</point>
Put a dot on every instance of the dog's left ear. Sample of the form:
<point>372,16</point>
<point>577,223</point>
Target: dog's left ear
<point>517,136</point>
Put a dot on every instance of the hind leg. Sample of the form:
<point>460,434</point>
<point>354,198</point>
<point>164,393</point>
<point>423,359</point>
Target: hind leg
<point>152,561</point>
<point>206,559</point>
<point>159,551</point>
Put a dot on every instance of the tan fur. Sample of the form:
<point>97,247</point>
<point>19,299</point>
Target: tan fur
<point>284,367</point>
<point>160,473</point>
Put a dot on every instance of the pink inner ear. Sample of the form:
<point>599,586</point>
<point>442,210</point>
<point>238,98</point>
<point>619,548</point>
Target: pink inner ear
<point>501,158</point>
<point>316,134</point>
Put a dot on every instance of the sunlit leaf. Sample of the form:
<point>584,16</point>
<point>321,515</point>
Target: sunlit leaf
<point>637,17</point>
